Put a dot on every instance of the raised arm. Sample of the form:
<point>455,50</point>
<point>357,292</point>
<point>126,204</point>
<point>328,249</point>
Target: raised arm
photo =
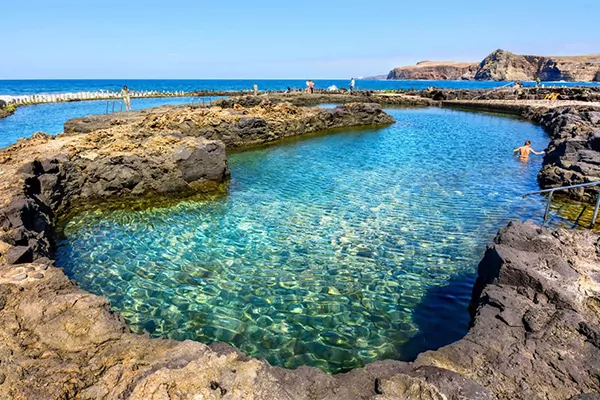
<point>539,153</point>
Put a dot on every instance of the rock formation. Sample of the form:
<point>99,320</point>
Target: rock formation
<point>535,329</point>
<point>502,65</point>
<point>175,151</point>
<point>535,335</point>
<point>6,109</point>
<point>432,70</point>
<point>574,153</point>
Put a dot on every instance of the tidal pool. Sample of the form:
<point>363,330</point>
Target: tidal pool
<point>330,251</point>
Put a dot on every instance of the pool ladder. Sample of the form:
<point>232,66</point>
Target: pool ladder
<point>552,190</point>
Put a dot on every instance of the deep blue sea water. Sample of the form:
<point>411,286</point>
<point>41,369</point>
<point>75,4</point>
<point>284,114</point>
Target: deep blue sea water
<point>24,87</point>
<point>331,251</point>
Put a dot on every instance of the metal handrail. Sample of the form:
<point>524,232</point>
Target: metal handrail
<point>552,190</point>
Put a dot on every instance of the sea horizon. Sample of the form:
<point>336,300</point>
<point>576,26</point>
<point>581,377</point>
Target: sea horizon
<point>20,87</point>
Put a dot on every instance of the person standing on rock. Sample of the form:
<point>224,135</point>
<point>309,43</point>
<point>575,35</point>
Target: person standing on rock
<point>525,150</point>
<point>351,85</point>
<point>255,89</point>
<point>311,86</point>
<point>126,98</point>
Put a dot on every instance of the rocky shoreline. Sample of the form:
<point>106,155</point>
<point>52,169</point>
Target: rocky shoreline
<point>502,65</point>
<point>535,310</point>
<point>6,110</point>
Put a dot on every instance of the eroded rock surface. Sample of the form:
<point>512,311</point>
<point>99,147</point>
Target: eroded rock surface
<point>535,335</point>
<point>237,122</point>
<point>536,306</point>
<point>174,151</point>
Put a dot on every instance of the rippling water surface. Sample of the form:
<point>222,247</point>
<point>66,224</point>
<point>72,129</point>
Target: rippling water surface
<point>330,251</point>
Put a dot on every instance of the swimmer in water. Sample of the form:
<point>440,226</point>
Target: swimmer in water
<point>525,150</point>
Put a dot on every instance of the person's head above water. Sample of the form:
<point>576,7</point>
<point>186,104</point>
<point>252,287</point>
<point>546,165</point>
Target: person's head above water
<point>527,143</point>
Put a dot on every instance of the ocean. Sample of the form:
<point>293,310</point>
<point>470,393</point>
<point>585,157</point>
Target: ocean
<point>28,87</point>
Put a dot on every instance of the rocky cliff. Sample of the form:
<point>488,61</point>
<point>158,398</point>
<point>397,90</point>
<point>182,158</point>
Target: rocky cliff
<point>432,70</point>
<point>503,65</point>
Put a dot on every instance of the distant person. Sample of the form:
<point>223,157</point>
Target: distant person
<point>525,150</point>
<point>255,89</point>
<point>126,98</point>
<point>288,90</point>
<point>352,85</point>
<point>537,81</point>
<point>311,86</point>
<point>308,86</point>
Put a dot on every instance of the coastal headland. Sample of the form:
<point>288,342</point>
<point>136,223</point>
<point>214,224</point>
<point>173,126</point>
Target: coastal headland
<point>535,329</point>
<point>502,65</point>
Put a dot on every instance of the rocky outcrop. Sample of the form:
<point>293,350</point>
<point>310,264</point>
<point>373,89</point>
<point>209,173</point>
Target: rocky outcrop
<point>6,109</point>
<point>168,151</point>
<point>534,335</point>
<point>434,70</point>
<point>503,65</point>
<point>535,307</point>
<point>254,121</point>
<point>573,154</point>
<point>304,99</point>
<point>580,93</point>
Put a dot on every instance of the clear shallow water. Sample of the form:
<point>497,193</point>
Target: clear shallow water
<point>331,251</point>
<point>51,118</point>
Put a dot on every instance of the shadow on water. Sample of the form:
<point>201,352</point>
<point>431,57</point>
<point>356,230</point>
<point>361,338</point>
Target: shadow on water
<point>449,326</point>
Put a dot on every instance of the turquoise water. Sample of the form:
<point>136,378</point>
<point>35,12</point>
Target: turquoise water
<point>331,251</point>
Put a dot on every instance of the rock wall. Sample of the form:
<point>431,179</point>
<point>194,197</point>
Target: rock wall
<point>573,155</point>
<point>502,65</point>
<point>429,70</point>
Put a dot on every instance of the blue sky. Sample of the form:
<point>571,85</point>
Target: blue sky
<point>277,39</point>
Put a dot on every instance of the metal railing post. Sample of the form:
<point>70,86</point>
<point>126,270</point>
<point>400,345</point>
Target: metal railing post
<point>596,210</point>
<point>580,185</point>
<point>547,208</point>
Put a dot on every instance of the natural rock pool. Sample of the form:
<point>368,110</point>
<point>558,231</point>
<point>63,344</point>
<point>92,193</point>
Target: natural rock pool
<point>330,251</point>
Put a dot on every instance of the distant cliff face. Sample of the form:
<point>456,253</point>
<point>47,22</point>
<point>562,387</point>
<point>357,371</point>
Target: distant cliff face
<point>435,71</point>
<point>503,65</point>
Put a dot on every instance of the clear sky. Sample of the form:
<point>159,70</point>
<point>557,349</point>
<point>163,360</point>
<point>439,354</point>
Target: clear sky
<point>278,39</point>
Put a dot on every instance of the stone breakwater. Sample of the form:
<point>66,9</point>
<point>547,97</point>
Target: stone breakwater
<point>535,309</point>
